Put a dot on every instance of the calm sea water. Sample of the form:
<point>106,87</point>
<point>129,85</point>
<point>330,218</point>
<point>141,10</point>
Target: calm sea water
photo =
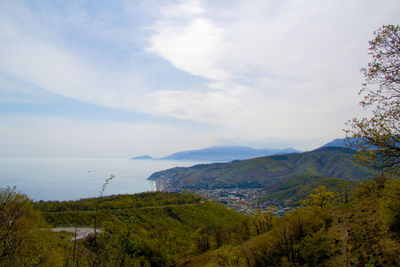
<point>71,179</point>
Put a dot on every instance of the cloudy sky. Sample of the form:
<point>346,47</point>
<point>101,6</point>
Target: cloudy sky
<point>126,78</point>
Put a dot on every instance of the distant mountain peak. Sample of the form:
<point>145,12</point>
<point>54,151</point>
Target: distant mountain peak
<point>227,153</point>
<point>143,157</point>
<point>341,142</point>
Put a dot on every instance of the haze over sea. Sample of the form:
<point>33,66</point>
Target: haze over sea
<point>75,178</point>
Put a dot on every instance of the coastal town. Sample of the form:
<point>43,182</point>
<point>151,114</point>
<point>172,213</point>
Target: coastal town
<point>246,200</point>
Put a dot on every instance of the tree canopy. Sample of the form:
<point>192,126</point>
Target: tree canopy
<point>378,136</point>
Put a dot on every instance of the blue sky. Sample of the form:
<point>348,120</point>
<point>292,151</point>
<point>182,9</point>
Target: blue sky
<point>126,78</point>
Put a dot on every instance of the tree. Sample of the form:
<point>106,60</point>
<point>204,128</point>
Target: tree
<point>377,138</point>
<point>98,202</point>
<point>24,239</point>
<point>201,239</point>
<point>390,204</point>
<point>320,198</point>
<point>99,250</point>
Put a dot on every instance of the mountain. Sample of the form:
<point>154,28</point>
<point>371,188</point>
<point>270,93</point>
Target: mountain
<point>344,142</point>
<point>230,153</point>
<point>339,142</point>
<point>143,157</point>
<point>226,153</point>
<point>270,173</point>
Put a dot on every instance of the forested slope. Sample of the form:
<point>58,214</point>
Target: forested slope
<point>171,229</point>
<point>153,228</point>
<point>267,172</point>
<point>337,233</point>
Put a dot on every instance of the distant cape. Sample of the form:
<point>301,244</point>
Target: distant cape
<point>143,157</point>
<point>227,153</point>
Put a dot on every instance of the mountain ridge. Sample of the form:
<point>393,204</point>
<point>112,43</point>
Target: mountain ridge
<point>222,153</point>
<point>227,153</point>
<point>230,153</point>
<point>268,172</point>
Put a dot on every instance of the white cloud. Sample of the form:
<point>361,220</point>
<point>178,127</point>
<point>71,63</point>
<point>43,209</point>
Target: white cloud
<point>297,66</point>
<point>266,68</point>
<point>191,46</point>
<point>49,66</point>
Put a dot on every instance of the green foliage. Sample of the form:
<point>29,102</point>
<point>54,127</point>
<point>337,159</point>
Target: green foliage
<point>378,137</point>
<point>202,233</point>
<point>24,239</point>
<point>115,202</point>
<point>361,238</point>
<point>299,238</point>
<point>321,198</point>
<point>201,240</point>
<point>350,234</point>
<point>298,188</point>
<point>390,204</point>
<point>99,199</point>
<point>167,227</point>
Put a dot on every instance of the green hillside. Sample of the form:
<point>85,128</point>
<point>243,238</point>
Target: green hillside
<point>176,229</point>
<point>343,234</point>
<point>269,172</point>
<point>153,228</point>
<point>297,188</point>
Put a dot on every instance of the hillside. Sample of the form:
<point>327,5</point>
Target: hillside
<point>175,229</point>
<point>269,172</point>
<point>152,228</point>
<point>344,234</point>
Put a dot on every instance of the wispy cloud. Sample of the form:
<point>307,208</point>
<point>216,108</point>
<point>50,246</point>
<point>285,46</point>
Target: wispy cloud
<point>296,64</point>
<point>29,56</point>
<point>254,70</point>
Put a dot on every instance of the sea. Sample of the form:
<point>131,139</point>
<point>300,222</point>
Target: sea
<point>76,178</point>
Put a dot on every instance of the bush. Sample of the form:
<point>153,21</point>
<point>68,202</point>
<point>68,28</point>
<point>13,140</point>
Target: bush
<point>390,204</point>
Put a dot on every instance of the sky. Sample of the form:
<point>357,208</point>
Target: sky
<point>126,78</point>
